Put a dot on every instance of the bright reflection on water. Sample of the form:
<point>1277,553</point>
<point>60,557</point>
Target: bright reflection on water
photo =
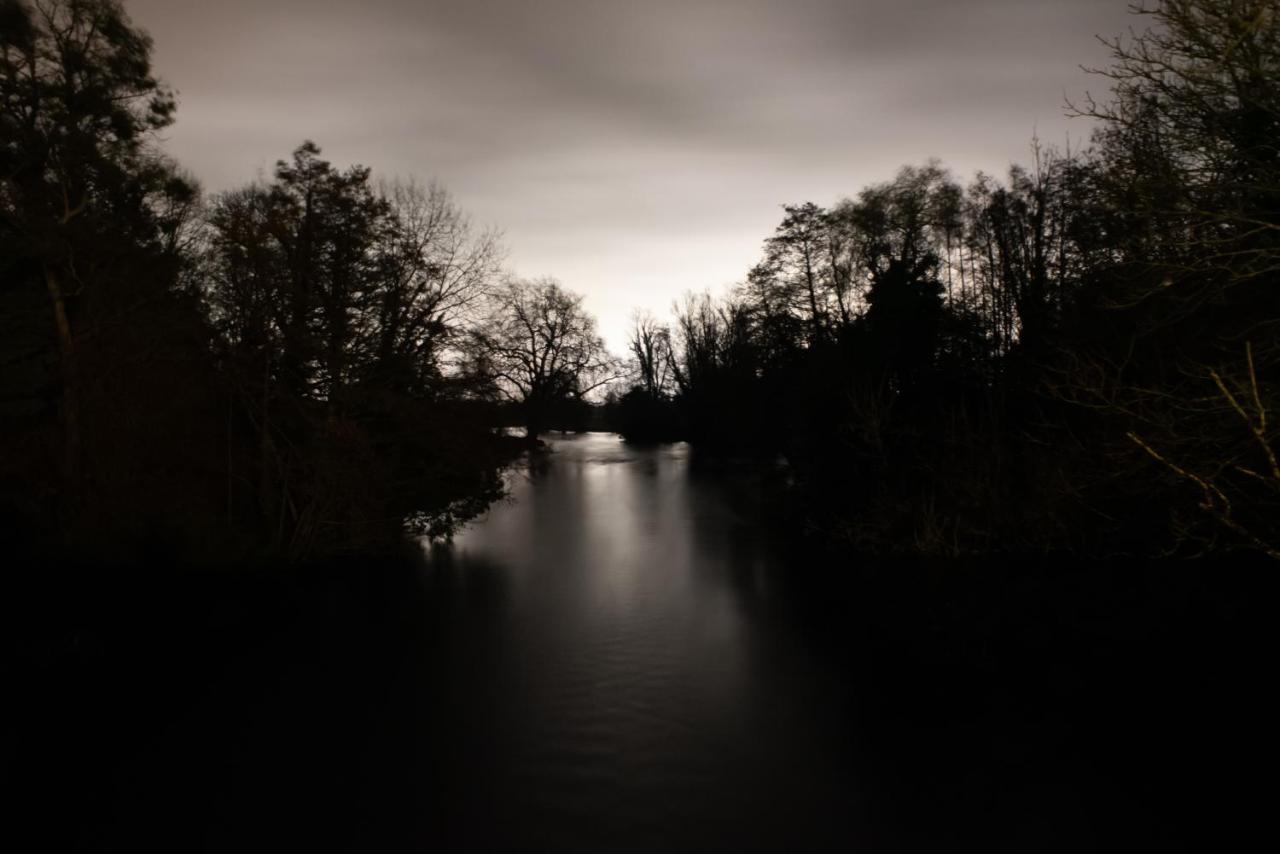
<point>622,673</point>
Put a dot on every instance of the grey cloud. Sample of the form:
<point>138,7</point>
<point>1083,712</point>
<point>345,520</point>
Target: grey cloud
<point>633,149</point>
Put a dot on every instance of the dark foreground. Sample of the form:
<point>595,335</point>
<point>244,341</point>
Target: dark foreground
<point>618,660</point>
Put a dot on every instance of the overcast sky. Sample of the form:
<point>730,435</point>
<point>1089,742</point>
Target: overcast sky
<point>633,149</point>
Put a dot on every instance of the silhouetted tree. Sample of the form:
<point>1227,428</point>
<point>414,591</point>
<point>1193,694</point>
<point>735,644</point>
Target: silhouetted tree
<point>340,304</point>
<point>542,346</point>
<point>799,276</point>
<point>1190,181</point>
<point>646,411</point>
<point>439,273</point>
<point>80,101</point>
<point>650,348</point>
<point>93,224</point>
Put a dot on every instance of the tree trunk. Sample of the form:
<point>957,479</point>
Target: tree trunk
<point>266,457</point>
<point>70,406</point>
<point>533,426</point>
<point>535,417</point>
<point>813,296</point>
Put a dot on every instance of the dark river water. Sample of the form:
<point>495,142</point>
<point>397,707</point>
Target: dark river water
<point>621,658</point>
<point>631,678</point>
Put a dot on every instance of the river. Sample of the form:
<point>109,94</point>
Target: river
<point>621,657</point>
<point>634,678</point>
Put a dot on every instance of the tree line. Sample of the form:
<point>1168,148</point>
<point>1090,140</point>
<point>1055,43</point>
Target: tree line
<point>303,365</point>
<point>1079,357</point>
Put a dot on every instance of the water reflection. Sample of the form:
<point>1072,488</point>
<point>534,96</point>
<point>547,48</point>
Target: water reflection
<point>629,683</point>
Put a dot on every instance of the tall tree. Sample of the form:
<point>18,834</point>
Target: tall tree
<point>79,181</point>
<point>798,276</point>
<point>337,302</point>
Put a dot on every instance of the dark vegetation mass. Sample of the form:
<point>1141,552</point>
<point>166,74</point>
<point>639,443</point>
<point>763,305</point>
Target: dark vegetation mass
<point>273,371</point>
<point>1080,357</point>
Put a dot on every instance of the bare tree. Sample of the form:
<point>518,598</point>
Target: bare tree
<point>542,347</point>
<point>1189,146</point>
<point>1192,126</point>
<point>439,272</point>
<point>701,339</point>
<point>653,359</point>
<point>1237,486</point>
